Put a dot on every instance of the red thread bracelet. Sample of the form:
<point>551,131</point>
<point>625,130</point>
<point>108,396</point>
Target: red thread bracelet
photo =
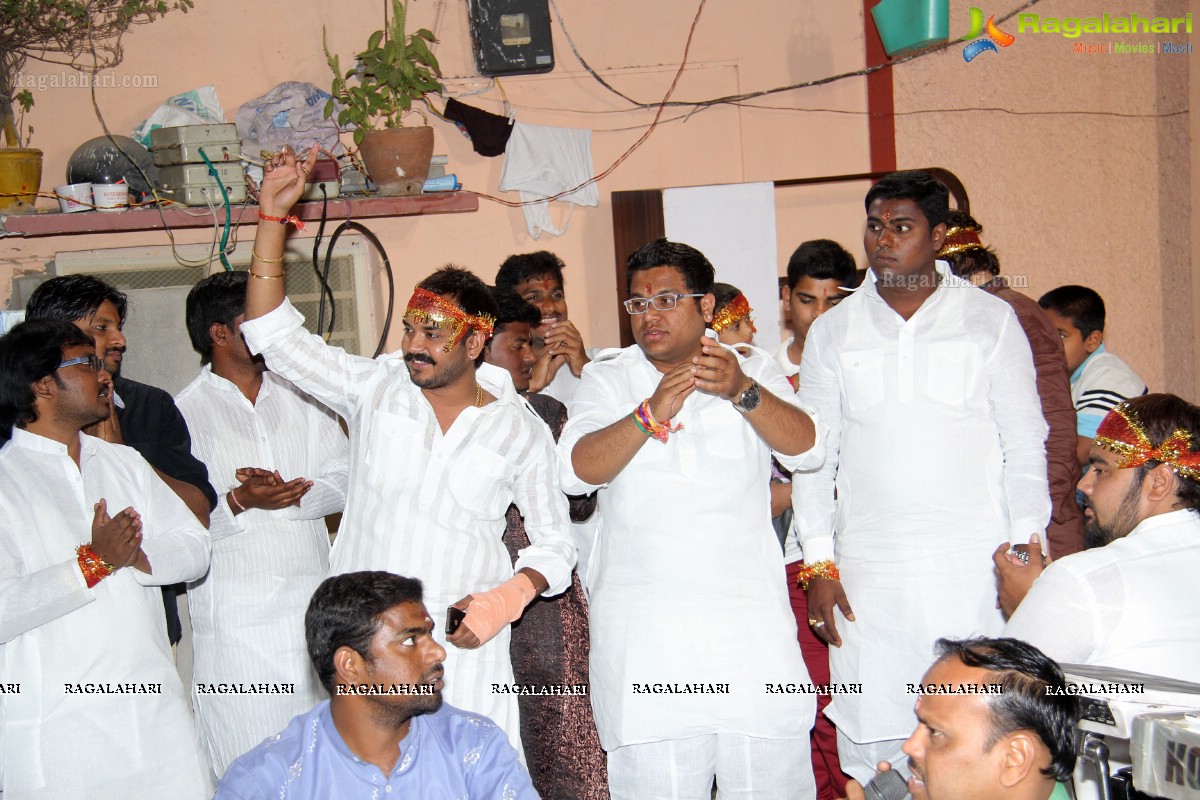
<point>290,219</point>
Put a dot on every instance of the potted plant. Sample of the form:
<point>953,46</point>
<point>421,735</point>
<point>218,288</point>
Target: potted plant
<point>81,34</point>
<point>395,71</point>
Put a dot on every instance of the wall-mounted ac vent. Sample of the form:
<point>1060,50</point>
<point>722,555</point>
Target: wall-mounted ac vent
<point>159,350</point>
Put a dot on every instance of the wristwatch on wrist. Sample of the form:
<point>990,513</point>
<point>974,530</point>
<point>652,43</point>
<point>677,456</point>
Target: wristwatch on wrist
<point>750,398</point>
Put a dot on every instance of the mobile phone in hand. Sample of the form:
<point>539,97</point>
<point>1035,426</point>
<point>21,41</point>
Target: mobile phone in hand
<point>454,618</point>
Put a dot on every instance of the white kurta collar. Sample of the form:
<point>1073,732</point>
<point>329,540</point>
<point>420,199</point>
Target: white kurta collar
<point>35,441</point>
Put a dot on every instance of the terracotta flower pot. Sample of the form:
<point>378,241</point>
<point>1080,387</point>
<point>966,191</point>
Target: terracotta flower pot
<point>398,158</point>
<point>20,178</point>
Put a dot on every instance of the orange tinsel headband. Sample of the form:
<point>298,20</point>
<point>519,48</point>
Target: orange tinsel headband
<point>425,306</point>
<point>960,239</point>
<point>734,311</point>
<point>1123,433</point>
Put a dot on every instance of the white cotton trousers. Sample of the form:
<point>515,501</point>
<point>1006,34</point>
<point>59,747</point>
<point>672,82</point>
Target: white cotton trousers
<point>744,767</point>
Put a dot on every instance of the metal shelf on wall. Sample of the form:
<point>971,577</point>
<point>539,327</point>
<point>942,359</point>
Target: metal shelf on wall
<point>149,219</point>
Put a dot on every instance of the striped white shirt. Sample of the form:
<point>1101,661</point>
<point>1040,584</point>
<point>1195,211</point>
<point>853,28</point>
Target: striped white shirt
<point>431,505</point>
<point>248,611</point>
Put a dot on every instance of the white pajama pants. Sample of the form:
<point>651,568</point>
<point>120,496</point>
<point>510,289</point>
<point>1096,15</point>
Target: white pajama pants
<point>744,767</point>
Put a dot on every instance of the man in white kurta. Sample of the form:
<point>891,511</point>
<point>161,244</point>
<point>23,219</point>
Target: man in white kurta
<point>936,451</point>
<point>93,706</point>
<point>695,668</point>
<point>439,449</point>
<point>429,503</point>
<point>252,672</point>
<point>1133,603</point>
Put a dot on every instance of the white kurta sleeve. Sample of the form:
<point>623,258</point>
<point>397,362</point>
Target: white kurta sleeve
<point>174,541</point>
<point>328,492</point>
<point>223,522</point>
<point>1017,409</point>
<point>771,378</point>
<point>593,408</point>
<point>328,373</point>
<point>30,599</point>
<point>812,489</point>
<point>1058,616</point>
<point>538,495</point>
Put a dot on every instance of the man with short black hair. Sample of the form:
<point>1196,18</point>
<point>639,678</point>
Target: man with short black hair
<point>686,551</point>
<point>994,722</point>
<point>538,279</point>
<point>88,533</point>
<point>385,728</point>
<point>442,444</point>
<point>270,543</point>
<point>936,450</point>
<point>143,417</point>
<point>1133,601</point>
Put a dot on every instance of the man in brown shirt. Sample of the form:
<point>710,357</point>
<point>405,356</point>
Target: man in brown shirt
<point>970,259</point>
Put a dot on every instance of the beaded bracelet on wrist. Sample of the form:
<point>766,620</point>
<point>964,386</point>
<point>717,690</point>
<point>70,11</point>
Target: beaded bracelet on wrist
<point>820,569</point>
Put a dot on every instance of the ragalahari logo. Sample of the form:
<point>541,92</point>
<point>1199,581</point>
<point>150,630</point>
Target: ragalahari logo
<point>994,37</point>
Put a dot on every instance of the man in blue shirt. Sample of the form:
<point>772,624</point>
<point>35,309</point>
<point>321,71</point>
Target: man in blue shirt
<point>385,728</point>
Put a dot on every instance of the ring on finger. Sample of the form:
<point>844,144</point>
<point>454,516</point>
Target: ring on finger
<point>820,623</point>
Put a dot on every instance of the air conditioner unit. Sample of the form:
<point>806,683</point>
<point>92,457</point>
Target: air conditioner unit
<point>159,350</point>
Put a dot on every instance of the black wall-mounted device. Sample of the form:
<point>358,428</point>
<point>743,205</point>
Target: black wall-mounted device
<point>511,37</point>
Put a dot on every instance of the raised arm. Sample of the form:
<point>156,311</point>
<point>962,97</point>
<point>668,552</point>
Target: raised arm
<point>282,185</point>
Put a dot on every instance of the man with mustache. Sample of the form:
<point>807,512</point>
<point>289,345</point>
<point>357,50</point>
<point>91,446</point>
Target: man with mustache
<point>384,730</point>
<point>143,417</point>
<point>935,452</point>
<point>87,535</point>
<point>994,722</point>
<point>1133,603</point>
<point>441,444</point>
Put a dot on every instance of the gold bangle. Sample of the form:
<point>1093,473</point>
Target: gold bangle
<point>266,260</point>
<point>254,274</point>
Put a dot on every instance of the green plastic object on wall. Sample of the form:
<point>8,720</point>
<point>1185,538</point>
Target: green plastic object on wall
<point>906,26</point>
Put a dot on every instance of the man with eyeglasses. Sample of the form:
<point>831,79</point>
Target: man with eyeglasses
<point>143,417</point>
<point>687,563</point>
<point>93,706</point>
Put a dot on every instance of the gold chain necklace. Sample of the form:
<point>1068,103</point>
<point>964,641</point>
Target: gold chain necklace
<point>478,396</point>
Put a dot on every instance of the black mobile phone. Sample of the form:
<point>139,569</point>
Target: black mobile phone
<point>454,618</point>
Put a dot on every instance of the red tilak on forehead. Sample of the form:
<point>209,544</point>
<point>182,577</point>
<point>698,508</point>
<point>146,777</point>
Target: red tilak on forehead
<point>546,284</point>
<point>887,215</point>
<point>647,290</point>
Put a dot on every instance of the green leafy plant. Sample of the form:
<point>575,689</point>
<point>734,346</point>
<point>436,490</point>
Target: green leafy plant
<point>81,34</point>
<point>393,72</point>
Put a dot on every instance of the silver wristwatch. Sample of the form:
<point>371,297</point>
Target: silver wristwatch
<point>749,399</point>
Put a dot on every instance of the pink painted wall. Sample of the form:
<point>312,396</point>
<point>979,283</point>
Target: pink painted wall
<point>1078,167</point>
<point>245,49</point>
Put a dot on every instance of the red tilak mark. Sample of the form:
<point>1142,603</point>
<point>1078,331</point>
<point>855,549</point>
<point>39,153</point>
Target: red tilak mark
<point>546,284</point>
<point>887,215</point>
<point>647,290</point>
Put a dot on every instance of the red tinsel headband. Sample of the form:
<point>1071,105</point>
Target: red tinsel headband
<point>427,307</point>
<point>960,239</point>
<point>1123,433</point>
<point>737,309</point>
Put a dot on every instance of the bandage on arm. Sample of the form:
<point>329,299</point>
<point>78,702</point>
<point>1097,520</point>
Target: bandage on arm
<point>490,611</point>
